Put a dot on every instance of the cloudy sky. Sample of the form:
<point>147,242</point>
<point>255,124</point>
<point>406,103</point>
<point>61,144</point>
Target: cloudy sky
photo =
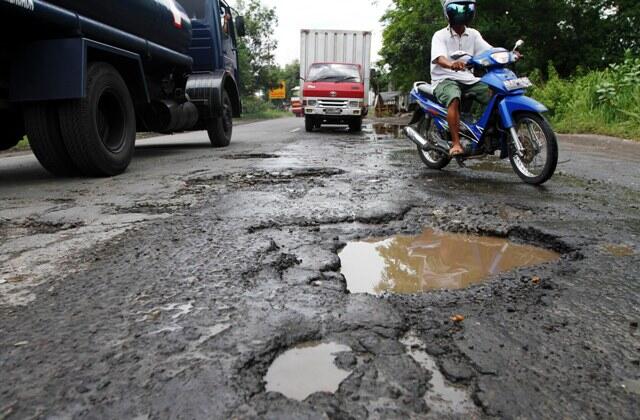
<point>295,15</point>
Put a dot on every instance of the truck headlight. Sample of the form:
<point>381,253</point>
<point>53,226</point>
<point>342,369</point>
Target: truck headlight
<point>355,104</point>
<point>310,102</point>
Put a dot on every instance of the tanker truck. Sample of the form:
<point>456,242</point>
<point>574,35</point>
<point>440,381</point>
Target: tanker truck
<point>80,78</point>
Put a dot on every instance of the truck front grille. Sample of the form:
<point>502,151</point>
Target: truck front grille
<point>333,103</point>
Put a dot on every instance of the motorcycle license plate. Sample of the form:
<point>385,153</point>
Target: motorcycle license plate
<point>516,84</point>
<point>333,111</point>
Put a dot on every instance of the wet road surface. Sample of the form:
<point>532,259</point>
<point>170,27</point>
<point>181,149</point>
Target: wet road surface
<point>173,290</point>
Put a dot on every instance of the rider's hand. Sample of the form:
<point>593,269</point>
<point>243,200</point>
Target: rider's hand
<point>519,56</point>
<point>458,65</point>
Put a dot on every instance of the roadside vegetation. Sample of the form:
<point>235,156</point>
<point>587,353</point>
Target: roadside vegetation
<point>584,90</point>
<point>601,101</point>
<point>259,109</point>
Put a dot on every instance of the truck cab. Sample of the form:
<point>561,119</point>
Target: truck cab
<point>333,93</point>
<point>335,70</point>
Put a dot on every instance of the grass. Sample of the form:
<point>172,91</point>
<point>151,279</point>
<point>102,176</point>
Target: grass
<point>599,102</point>
<point>258,109</point>
<point>268,114</point>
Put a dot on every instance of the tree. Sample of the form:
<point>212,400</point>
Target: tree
<point>256,50</point>
<point>571,33</point>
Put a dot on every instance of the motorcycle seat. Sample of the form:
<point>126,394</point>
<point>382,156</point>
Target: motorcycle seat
<point>427,90</point>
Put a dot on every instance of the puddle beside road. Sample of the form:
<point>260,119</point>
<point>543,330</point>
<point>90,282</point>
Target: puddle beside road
<point>306,369</point>
<point>432,261</point>
<point>442,397</point>
<point>388,130</point>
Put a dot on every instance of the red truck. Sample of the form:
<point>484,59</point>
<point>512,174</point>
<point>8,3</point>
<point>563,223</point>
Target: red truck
<point>335,70</point>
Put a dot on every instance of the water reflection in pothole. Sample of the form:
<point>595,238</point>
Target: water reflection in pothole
<point>388,130</point>
<point>432,261</point>
<point>306,369</point>
<point>442,397</point>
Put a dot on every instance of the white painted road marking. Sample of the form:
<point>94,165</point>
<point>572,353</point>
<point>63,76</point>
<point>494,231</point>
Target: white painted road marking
<point>295,131</point>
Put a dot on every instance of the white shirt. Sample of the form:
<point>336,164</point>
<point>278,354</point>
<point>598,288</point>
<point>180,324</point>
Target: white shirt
<point>446,42</point>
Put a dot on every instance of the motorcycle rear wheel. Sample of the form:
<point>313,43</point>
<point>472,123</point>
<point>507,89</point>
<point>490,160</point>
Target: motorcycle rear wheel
<point>432,159</point>
<point>540,159</point>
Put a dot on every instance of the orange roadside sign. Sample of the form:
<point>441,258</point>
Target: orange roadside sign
<point>279,92</point>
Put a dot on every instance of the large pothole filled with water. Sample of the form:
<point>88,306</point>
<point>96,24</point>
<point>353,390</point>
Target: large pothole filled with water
<point>306,369</point>
<point>432,261</point>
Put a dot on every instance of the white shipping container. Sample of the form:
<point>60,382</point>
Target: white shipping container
<point>336,46</point>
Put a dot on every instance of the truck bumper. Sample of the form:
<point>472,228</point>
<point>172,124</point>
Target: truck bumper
<point>333,112</point>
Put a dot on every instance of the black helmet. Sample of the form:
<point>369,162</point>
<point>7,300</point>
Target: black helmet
<point>459,12</point>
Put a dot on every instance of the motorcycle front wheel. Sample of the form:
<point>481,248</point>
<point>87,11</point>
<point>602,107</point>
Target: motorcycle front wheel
<point>433,159</point>
<point>540,158</point>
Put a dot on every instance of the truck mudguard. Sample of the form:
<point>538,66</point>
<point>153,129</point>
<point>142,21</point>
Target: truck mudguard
<point>205,90</point>
<point>56,69</point>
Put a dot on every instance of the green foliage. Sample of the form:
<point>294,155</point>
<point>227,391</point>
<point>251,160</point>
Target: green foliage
<point>589,33</point>
<point>602,101</point>
<point>257,108</point>
<point>289,73</point>
<point>256,49</point>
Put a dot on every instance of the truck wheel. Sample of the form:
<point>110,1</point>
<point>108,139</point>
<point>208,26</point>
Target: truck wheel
<point>355,126</point>
<point>100,129</point>
<point>45,138</point>
<point>220,129</point>
<point>309,123</point>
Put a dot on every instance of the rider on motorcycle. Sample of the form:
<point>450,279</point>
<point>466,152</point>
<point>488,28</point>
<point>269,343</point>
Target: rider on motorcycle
<point>452,78</point>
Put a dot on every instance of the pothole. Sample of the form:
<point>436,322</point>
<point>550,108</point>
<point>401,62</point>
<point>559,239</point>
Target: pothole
<point>432,261</point>
<point>442,397</point>
<point>242,156</point>
<point>389,130</point>
<point>306,369</point>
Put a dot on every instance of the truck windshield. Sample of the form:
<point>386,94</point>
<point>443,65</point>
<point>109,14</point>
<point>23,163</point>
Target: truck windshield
<point>334,73</point>
<point>195,8</point>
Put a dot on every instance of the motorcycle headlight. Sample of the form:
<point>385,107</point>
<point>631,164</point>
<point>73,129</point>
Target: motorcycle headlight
<point>501,57</point>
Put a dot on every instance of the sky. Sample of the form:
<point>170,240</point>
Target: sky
<point>294,15</point>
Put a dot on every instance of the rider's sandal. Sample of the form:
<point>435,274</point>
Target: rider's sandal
<point>456,153</point>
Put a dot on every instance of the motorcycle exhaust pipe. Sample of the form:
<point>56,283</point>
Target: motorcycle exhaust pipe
<point>421,142</point>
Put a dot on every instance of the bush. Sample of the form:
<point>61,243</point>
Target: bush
<point>603,102</point>
<point>253,107</point>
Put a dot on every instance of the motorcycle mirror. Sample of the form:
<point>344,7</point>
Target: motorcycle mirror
<point>519,44</point>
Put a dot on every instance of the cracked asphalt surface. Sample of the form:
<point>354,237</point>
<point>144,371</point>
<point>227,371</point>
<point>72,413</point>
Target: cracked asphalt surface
<point>167,292</point>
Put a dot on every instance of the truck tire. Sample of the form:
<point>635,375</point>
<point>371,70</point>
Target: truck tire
<point>45,138</point>
<point>355,126</point>
<point>220,129</point>
<point>309,123</point>
<point>100,129</point>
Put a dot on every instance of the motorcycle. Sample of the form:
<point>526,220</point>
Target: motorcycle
<point>512,123</point>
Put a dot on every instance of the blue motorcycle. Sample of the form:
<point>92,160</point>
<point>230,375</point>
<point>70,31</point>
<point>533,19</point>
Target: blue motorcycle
<point>512,123</point>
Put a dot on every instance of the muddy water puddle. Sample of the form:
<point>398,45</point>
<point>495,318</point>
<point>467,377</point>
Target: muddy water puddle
<point>442,397</point>
<point>306,369</point>
<point>388,130</point>
<point>432,261</point>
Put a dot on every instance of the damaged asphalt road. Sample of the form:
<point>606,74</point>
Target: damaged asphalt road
<point>168,292</point>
